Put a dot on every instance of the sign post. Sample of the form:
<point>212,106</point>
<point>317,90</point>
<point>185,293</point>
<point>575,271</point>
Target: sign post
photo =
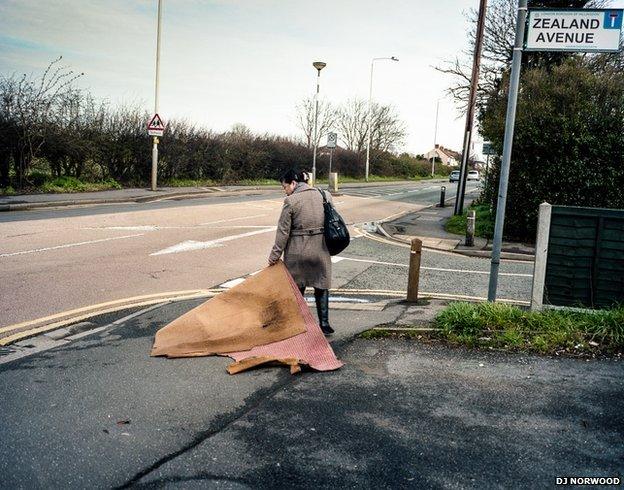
<point>585,30</point>
<point>332,142</point>
<point>510,121</point>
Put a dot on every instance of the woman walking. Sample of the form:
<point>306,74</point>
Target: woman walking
<point>300,238</point>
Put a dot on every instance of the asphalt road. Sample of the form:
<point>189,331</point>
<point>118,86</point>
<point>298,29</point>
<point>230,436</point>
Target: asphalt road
<point>96,411</point>
<point>55,260</point>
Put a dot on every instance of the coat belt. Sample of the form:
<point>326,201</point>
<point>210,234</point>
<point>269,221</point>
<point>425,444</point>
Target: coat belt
<point>306,232</point>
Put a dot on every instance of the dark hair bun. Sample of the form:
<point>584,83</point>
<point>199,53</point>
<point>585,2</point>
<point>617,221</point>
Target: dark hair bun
<point>294,175</point>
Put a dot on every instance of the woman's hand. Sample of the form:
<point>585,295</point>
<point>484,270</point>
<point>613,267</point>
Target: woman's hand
<point>272,262</point>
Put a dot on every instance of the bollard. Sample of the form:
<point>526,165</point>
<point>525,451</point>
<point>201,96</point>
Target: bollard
<point>470,229</point>
<point>414,270</point>
<point>333,182</point>
<point>442,195</point>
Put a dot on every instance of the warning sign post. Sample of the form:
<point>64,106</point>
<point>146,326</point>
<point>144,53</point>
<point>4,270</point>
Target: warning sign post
<point>156,127</point>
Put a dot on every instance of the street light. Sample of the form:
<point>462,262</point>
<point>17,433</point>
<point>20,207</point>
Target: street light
<point>319,65</point>
<point>435,138</point>
<point>155,141</point>
<point>370,97</point>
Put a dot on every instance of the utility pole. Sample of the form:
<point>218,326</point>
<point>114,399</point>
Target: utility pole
<point>472,99</point>
<point>155,140</point>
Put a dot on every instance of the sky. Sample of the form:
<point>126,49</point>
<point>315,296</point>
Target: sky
<point>225,62</point>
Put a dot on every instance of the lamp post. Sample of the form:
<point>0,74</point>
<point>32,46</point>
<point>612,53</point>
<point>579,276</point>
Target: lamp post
<point>155,141</point>
<point>319,65</point>
<point>435,138</point>
<point>368,118</point>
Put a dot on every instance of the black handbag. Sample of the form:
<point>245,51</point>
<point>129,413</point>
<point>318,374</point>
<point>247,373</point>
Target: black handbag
<point>335,230</point>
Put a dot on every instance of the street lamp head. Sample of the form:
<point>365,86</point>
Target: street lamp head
<point>319,65</point>
<point>394,58</point>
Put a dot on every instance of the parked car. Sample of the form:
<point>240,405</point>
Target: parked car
<point>454,177</point>
<point>473,175</point>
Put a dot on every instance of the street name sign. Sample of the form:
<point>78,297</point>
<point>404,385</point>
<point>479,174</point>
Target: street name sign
<point>574,30</point>
<point>156,127</point>
<point>332,140</point>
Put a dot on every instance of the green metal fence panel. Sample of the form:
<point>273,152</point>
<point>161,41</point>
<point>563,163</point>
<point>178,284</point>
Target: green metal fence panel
<point>585,262</point>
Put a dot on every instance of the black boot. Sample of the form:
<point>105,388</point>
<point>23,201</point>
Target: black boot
<point>322,309</point>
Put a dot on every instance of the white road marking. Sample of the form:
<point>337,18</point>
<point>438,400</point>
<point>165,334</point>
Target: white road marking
<point>339,299</point>
<point>335,259</point>
<point>156,227</point>
<point>393,215</point>
<point>232,283</point>
<point>232,219</point>
<point>438,269</point>
<point>68,245</point>
<point>125,228</point>
<point>191,245</point>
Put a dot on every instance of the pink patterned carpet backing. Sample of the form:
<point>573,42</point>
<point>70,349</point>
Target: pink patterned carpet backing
<point>310,347</point>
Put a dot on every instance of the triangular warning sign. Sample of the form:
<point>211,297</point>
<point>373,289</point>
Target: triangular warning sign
<point>156,123</point>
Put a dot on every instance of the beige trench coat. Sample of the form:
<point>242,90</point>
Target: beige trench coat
<point>300,237</point>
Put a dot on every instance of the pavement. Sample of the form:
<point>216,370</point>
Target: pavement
<point>35,201</point>
<point>428,226</point>
<point>23,202</point>
<point>85,405</point>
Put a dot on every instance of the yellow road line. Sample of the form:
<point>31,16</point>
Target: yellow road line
<point>56,316</point>
<point>119,305</point>
<point>53,326</point>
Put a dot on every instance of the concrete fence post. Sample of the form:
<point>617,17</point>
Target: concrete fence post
<point>414,270</point>
<point>541,255</point>
<point>470,228</point>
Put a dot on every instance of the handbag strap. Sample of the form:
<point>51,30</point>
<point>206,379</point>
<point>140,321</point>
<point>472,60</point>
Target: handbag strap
<point>324,198</point>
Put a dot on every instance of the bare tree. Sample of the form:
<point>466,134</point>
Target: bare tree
<point>352,126</point>
<point>326,119</point>
<point>498,42</point>
<point>26,106</point>
<point>387,130</point>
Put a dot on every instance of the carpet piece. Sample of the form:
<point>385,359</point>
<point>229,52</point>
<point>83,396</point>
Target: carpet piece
<point>261,310</point>
<point>310,348</point>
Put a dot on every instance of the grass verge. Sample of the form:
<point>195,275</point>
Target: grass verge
<point>189,183</point>
<point>500,326</point>
<point>484,222</point>
<point>72,184</point>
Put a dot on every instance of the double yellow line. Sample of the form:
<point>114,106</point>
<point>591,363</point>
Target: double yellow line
<point>23,330</point>
<point>19,331</point>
